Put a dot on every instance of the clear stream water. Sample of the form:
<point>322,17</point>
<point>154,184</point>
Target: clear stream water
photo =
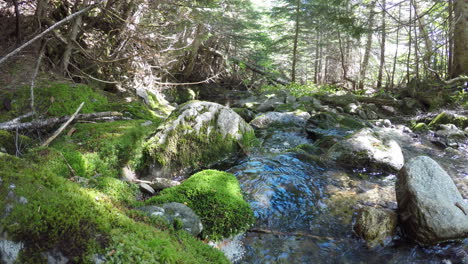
<point>291,198</point>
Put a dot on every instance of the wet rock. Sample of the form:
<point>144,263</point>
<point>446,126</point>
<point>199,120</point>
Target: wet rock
<point>430,207</point>
<point>270,104</point>
<point>172,211</point>
<point>296,119</point>
<point>245,113</point>
<point>198,134</point>
<point>449,136</point>
<point>330,124</point>
<point>376,226</point>
<point>366,149</point>
<point>449,118</point>
<point>9,250</point>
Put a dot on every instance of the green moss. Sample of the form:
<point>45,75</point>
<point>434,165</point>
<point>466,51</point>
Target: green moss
<point>419,127</point>
<point>80,222</point>
<point>216,198</point>
<point>103,149</point>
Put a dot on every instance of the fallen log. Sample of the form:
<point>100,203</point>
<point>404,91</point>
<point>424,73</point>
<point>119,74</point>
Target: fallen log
<point>62,127</point>
<point>50,122</point>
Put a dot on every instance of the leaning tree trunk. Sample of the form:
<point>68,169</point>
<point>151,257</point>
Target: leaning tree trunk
<point>192,58</point>
<point>71,39</point>
<point>460,50</point>
<point>296,39</point>
<point>365,61</point>
<point>382,47</point>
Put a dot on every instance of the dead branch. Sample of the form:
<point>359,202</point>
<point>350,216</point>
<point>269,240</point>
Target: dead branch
<point>45,123</point>
<point>56,133</point>
<point>45,32</point>
<point>457,80</point>
<point>191,83</point>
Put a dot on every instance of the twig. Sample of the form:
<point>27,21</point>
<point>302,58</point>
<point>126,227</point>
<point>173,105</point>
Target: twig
<point>68,164</point>
<point>266,231</point>
<point>49,140</point>
<point>61,22</point>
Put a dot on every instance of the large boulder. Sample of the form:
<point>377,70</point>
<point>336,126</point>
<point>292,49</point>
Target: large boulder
<point>175,213</point>
<point>367,149</point>
<point>375,225</point>
<point>325,124</point>
<point>196,135</point>
<point>430,207</point>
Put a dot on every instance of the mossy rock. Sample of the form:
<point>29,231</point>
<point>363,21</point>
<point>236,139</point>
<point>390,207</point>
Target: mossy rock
<point>55,213</point>
<point>216,198</point>
<point>449,118</point>
<point>376,226</point>
<point>420,127</point>
<point>197,135</point>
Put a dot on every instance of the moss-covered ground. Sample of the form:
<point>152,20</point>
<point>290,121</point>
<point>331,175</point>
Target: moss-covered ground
<point>76,202</point>
<point>216,197</point>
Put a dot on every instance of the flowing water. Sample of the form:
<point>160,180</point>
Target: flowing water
<point>300,219</point>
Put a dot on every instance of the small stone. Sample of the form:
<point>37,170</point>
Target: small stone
<point>23,200</point>
<point>9,251</point>
<point>146,188</point>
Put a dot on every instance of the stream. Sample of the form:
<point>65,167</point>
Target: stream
<point>307,209</point>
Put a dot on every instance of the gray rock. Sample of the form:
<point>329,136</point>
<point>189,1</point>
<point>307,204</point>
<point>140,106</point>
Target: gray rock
<point>388,109</point>
<point>172,211</point>
<point>55,257</point>
<point>270,104</point>
<point>351,108</point>
<point>291,99</point>
<point>297,119</point>
<point>162,183</point>
<point>9,250</point>
<point>376,226</point>
<point>245,113</point>
<point>430,207</point>
<point>367,149</point>
<point>450,135</point>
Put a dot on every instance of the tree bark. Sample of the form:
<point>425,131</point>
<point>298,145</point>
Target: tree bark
<point>17,22</point>
<point>365,61</point>
<point>396,50</point>
<point>427,57</point>
<point>72,37</point>
<point>192,58</point>
<point>296,40</point>
<point>460,50</point>
<point>382,47</point>
<point>450,39</point>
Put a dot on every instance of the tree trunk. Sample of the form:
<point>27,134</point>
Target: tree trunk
<point>72,37</point>
<point>382,47</point>
<point>410,41</point>
<point>450,39</point>
<point>396,50</point>
<point>317,57</point>
<point>17,18</point>
<point>460,50</point>
<point>41,12</point>
<point>365,61</point>
<point>192,58</point>
<point>296,39</point>
<point>427,57</point>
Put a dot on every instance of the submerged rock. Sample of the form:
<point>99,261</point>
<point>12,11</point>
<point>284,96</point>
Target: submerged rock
<point>366,149</point>
<point>430,207</point>
<point>376,226</point>
<point>173,211</point>
<point>196,135</point>
<point>330,124</point>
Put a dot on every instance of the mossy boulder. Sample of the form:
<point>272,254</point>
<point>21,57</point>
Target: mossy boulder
<point>216,198</point>
<point>367,149</point>
<point>49,213</point>
<point>196,135</point>
<point>376,226</point>
<point>449,118</point>
<point>325,124</point>
<point>420,127</point>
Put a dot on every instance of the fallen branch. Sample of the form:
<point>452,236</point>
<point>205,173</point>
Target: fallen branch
<point>159,183</point>
<point>45,32</point>
<point>300,234</point>
<point>43,123</point>
<point>191,83</point>
<point>457,80</point>
<point>19,118</point>
<point>56,133</point>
